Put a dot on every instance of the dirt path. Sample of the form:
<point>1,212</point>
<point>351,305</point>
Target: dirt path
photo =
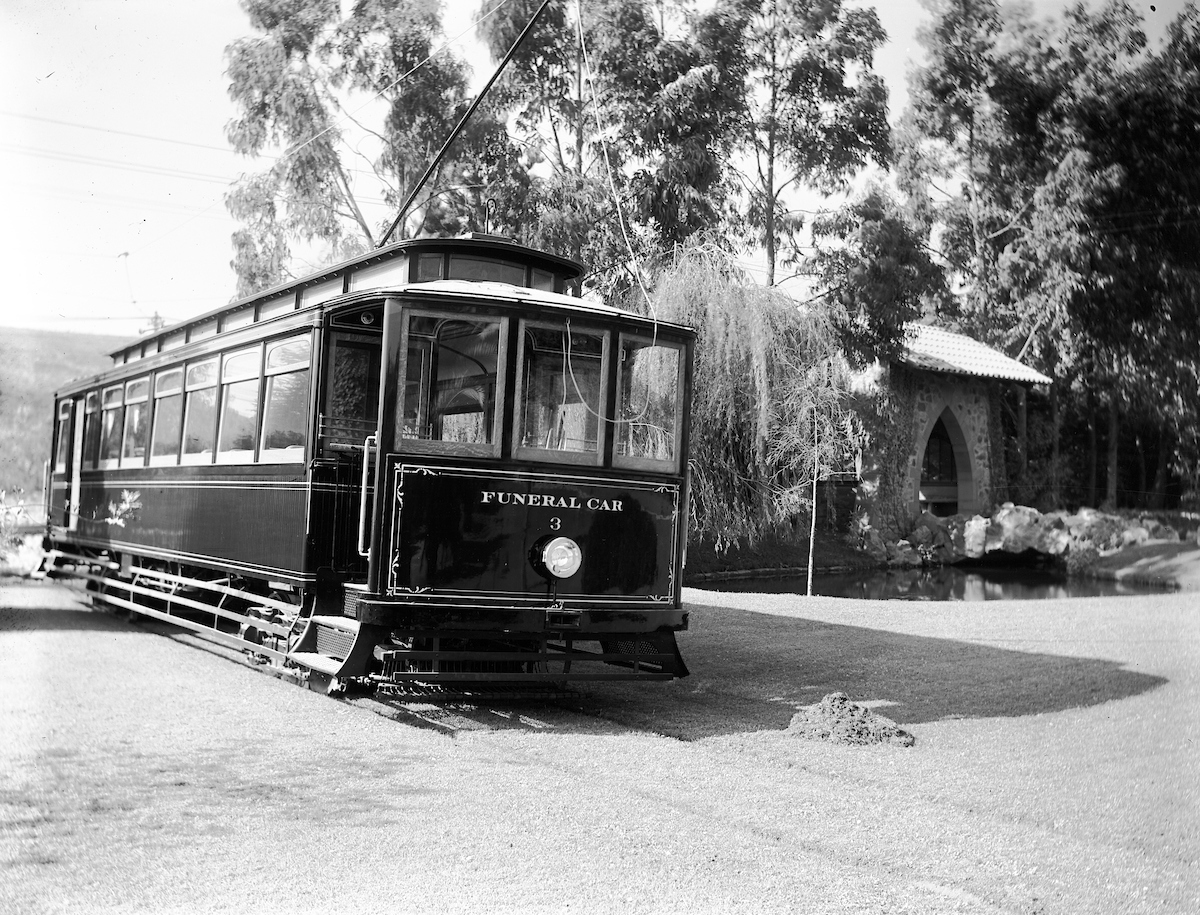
<point>1055,771</point>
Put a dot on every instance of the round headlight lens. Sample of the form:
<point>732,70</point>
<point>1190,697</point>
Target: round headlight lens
<point>562,557</point>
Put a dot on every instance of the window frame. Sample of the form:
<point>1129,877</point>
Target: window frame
<point>630,462</point>
<point>239,455</point>
<point>290,454</point>
<point>490,449</point>
<point>160,378</point>
<point>603,425</point>
<point>136,400</point>
<point>200,457</point>
<point>92,412</point>
<point>117,407</point>
<point>62,438</point>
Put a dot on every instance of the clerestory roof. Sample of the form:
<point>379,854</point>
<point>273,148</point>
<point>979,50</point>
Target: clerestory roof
<point>938,350</point>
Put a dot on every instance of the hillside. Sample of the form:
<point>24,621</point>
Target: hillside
<point>33,364</point>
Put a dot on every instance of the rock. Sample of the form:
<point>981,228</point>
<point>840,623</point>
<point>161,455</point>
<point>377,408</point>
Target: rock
<point>875,546</point>
<point>975,537</point>
<point>1132,536</point>
<point>838,720</point>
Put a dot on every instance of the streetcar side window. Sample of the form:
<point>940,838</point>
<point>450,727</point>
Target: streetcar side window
<point>91,429</point>
<point>62,449</point>
<point>168,417</point>
<point>111,426</point>
<point>560,393</point>
<point>239,405</point>
<point>285,411</point>
<point>451,395</point>
<point>200,412</point>
<point>649,384</point>
<point>137,425</point>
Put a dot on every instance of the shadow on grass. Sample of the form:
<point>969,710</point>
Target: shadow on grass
<point>751,671</point>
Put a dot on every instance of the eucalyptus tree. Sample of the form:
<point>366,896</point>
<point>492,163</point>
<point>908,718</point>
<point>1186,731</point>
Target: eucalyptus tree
<point>623,117</point>
<point>351,104</point>
<point>814,112</point>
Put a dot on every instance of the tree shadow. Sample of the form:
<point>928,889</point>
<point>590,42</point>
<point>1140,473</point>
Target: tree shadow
<point>30,619</point>
<point>751,671</point>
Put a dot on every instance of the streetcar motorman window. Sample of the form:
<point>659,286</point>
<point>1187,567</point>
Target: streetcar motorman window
<point>450,384</point>
<point>561,393</point>
<point>648,405</point>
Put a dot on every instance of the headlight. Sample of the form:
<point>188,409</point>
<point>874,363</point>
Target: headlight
<point>562,557</point>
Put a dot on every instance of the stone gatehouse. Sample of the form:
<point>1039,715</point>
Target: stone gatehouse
<point>934,426</point>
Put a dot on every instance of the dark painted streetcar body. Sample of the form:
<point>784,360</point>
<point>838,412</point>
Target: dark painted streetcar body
<point>430,463</point>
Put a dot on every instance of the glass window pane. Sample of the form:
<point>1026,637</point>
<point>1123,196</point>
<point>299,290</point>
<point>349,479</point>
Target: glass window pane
<point>136,433</point>
<point>168,421</point>
<point>91,430</point>
<point>63,449</point>
<point>110,434</point>
<point>239,366</point>
<point>200,422</point>
<point>648,402</point>
<point>429,267</point>
<point>450,382</point>
<point>137,390</point>
<point>168,382</point>
<point>288,353</point>
<point>200,374</point>
<point>239,417</point>
<point>285,425</point>
<point>561,386</point>
<point>482,268</point>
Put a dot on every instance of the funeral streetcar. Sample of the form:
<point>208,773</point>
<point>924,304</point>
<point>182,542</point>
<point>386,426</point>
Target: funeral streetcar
<point>433,462</point>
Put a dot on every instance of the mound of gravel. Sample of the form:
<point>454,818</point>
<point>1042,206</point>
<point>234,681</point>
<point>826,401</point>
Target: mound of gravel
<point>838,720</point>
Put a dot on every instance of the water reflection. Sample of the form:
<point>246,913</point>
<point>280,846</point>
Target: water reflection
<point>946,583</point>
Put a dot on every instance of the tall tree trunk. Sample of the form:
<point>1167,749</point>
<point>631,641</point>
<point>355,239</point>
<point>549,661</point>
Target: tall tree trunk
<point>1055,449</point>
<point>1114,429</point>
<point>1093,457</point>
<point>1139,499</point>
<point>1022,444</point>
<point>1158,496</point>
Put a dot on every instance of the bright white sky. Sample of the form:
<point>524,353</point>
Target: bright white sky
<point>113,158</point>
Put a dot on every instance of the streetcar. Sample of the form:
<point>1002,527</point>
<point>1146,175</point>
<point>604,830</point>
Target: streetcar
<point>436,462</point>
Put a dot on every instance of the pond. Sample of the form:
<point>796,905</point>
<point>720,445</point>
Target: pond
<point>942,583</point>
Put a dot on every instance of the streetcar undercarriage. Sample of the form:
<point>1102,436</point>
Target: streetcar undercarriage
<point>289,628</point>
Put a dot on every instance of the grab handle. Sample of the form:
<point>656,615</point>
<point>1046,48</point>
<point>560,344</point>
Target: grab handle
<point>363,548</point>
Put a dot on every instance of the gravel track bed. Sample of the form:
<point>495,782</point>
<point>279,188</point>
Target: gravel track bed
<point>1054,771</point>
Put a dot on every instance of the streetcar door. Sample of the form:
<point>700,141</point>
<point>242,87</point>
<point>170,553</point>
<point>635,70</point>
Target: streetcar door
<point>349,418</point>
<point>68,462</point>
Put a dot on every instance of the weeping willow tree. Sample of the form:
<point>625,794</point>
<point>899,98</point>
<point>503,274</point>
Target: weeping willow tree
<point>770,401</point>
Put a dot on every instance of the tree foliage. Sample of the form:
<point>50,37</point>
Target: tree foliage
<point>769,403</point>
<point>300,84</point>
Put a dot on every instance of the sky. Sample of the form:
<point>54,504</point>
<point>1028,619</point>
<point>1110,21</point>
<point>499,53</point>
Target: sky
<point>114,162</point>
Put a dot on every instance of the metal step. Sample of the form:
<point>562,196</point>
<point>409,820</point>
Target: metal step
<point>318,662</point>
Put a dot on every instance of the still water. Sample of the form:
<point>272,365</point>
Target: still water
<point>945,583</point>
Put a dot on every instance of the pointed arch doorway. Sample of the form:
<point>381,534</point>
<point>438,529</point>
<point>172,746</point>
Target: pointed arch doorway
<point>947,484</point>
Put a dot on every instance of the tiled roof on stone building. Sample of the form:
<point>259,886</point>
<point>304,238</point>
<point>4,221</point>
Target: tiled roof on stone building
<point>938,350</point>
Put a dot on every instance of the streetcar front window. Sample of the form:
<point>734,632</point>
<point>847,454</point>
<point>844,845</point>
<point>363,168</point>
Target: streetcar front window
<point>63,450</point>
<point>560,398</point>
<point>450,395</point>
<point>648,405</point>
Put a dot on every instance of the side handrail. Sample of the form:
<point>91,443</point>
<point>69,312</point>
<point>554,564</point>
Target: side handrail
<point>363,548</point>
